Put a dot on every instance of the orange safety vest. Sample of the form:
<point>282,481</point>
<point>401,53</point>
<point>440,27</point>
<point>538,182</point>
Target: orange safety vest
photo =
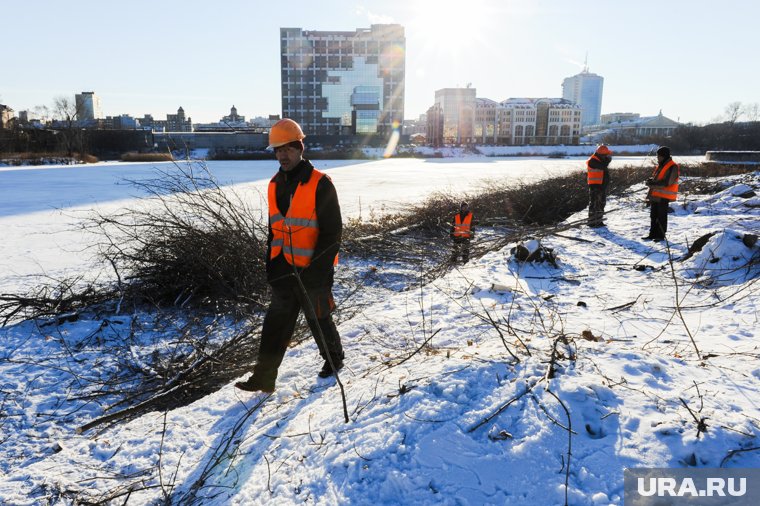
<point>295,235</point>
<point>462,228</point>
<point>595,176</point>
<point>670,192</point>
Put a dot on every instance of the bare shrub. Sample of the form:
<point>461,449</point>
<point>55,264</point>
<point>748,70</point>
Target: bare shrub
<point>147,157</point>
<point>190,258</point>
<point>57,158</point>
<point>712,169</point>
<point>60,300</point>
<point>699,186</point>
<point>419,237</point>
<point>87,158</point>
<point>191,242</point>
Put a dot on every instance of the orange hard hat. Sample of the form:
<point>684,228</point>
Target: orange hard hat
<point>283,132</point>
<point>603,150</point>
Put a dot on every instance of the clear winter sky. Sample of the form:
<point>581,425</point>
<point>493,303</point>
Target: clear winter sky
<point>690,58</point>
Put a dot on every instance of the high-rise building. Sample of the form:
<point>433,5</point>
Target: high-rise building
<point>457,107</point>
<point>585,89</point>
<point>344,82</point>
<point>88,106</point>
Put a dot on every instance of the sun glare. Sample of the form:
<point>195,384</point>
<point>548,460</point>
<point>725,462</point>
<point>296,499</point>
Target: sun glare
<point>451,26</point>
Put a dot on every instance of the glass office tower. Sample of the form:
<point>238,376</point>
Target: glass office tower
<point>343,83</point>
<point>585,89</point>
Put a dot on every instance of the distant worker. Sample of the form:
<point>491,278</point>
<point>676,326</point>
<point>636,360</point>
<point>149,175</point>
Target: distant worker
<point>663,189</point>
<point>598,178</point>
<point>462,233</point>
<point>305,228</point>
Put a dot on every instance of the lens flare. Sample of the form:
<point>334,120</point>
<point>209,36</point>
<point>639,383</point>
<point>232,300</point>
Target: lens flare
<point>392,57</point>
<point>393,141</point>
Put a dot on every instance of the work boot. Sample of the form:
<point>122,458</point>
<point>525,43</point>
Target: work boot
<point>327,371</point>
<point>253,384</point>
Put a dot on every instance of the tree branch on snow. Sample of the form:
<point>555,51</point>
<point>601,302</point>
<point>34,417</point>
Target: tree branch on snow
<point>569,442</point>
<point>735,452</point>
<point>701,422</point>
<point>501,408</point>
<point>221,453</point>
<point>677,300</point>
<point>504,341</point>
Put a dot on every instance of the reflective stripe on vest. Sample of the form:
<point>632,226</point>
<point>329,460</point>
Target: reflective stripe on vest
<point>295,235</point>
<point>595,176</point>
<point>670,192</point>
<point>462,228</point>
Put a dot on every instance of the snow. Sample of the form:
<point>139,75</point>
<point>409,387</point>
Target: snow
<point>416,433</point>
<point>724,260</point>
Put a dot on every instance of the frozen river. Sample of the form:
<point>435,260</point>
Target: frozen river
<point>40,206</point>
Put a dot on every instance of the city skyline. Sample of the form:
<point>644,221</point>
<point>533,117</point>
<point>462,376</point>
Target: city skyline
<point>160,56</point>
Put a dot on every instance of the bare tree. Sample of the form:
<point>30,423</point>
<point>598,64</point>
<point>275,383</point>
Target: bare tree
<point>68,112</point>
<point>733,111</point>
<point>752,111</point>
<point>42,113</point>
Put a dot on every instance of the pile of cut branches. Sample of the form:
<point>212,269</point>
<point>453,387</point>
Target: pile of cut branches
<point>191,242</point>
<point>197,358</point>
<point>507,210</point>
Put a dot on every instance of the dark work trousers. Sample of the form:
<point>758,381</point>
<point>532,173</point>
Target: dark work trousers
<point>461,249</point>
<point>597,199</point>
<point>658,217</point>
<point>280,323</point>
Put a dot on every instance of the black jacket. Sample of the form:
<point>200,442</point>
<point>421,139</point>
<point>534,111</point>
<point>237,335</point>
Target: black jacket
<point>320,271</point>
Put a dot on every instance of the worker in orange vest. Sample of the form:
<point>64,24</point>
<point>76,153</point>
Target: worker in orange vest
<point>663,189</point>
<point>305,229</point>
<point>598,178</point>
<point>462,233</point>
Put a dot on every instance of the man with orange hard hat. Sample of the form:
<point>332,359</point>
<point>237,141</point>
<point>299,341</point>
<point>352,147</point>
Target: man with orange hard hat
<point>598,178</point>
<point>305,227</point>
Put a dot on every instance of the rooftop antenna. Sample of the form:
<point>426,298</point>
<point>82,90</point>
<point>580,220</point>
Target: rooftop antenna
<point>585,64</point>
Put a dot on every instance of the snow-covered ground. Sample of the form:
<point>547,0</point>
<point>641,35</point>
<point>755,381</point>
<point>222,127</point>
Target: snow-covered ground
<point>639,343</point>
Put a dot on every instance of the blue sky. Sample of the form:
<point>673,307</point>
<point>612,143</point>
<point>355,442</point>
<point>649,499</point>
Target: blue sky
<point>689,59</point>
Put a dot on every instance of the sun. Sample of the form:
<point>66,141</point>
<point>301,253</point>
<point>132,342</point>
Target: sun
<point>451,26</point>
